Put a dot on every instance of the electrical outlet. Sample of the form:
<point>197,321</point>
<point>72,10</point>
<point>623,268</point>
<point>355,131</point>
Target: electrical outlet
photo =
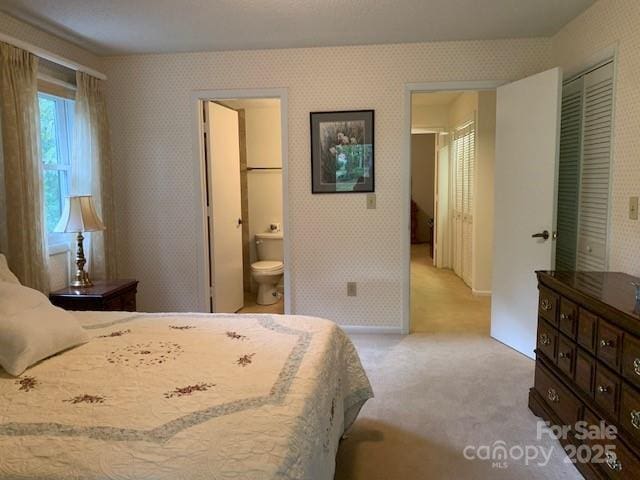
<point>352,289</point>
<point>633,208</point>
<point>371,201</point>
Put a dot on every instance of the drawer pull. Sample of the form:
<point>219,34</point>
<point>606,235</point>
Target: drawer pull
<point>564,316</point>
<point>545,339</point>
<point>607,343</point>
<point>545,304</point>
<point>565,355</point>
<point>635,419</point>
<point>603,389</point>
<point>553,396</point>
<point>636,366</point>
<point>612,462</point>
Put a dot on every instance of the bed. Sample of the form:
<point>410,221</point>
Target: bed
<point>185,396</point>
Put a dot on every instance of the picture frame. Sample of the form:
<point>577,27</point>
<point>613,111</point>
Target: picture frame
<point>342,151</point>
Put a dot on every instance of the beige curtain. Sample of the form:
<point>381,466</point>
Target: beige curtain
<point>26,238</point>
<point>91,171</point>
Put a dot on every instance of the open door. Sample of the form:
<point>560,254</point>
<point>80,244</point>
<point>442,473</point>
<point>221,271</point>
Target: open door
<point>527,126</point>
<point>225,211</point>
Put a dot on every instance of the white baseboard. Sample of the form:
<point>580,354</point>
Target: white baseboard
<point>481,293</point>
<point>372,329</point>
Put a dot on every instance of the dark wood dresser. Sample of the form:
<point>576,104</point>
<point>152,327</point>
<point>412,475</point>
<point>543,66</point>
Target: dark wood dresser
<point>114,295</point>
<point>588,365</point>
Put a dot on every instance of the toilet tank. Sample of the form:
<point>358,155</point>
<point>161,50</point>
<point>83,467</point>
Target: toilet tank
<point>269,246</point>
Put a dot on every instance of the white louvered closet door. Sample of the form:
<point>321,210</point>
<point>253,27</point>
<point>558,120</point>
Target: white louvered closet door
<point>569,174</point>
<point>457,210</point>
<point>467,204</point>
<point>464,166</point>
<point>595,172</point>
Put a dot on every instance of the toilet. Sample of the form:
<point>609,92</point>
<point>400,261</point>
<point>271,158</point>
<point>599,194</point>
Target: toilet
<point>268,270</point>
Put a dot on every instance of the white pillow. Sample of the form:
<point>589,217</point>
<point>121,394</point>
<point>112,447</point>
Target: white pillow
<point>32,329</point>
<point>6,275</point>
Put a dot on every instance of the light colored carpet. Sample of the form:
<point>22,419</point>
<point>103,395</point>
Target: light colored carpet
<point>436,394</point>
<point>441,302</point>
<point>442,389</point>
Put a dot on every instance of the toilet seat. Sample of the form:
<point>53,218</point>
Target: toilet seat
<point>267,266</point>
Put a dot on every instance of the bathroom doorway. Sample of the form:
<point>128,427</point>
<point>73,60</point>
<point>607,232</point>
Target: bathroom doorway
<point>243,160</point>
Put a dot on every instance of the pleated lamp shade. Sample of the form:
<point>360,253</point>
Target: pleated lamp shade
<point>79,215</point>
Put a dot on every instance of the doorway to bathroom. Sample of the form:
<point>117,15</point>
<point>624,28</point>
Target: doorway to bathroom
<point>242,170</point>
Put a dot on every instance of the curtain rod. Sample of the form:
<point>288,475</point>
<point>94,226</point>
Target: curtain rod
<point>52,57</point>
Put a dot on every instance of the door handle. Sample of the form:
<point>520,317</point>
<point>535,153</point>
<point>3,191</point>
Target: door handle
<point>239,221</point>
<point>544,235</point>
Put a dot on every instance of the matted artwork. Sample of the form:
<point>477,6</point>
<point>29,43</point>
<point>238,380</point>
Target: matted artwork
<point>342,152</point>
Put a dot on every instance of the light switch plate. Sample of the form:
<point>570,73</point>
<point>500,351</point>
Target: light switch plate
<point>633,208</point>
<point>352,289</point>
<point>371,201</point>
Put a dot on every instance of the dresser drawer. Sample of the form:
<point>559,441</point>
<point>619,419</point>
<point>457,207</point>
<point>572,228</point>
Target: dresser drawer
<point>620,463</point>
<point>566,355</point>
<point>607,390</point>
<point>547,339</point>
<point>616,461</point>
<point>562,401</point>
<point>631,359</point>
<point>548,305</point>
<point>568,319</point>
<point>585,371</point>
<point>630,411</point>
<point>587,329</point>
<point>129,302</point>
<point>609,344</point>
<point>113,304</point>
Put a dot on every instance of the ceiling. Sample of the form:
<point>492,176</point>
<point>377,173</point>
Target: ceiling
<point>109,27</point>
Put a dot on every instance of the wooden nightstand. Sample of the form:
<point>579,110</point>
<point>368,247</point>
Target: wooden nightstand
<point>111,295</point>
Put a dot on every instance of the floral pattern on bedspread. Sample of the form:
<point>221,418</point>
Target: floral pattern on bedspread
<point>189,389</point>
<point>147,353</point>
<point>117,333</point>
<point>27,383</point>
<point>85,399</point>
<point>139,400</point>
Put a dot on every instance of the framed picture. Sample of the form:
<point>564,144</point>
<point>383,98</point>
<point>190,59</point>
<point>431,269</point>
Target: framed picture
<point>342,152</point>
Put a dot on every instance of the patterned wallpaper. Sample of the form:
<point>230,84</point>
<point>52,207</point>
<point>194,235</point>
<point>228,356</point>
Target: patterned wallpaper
<point>335,239</point>
<point>607,23</point>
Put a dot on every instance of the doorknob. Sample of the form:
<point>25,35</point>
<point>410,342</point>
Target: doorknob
<point>544,235</point>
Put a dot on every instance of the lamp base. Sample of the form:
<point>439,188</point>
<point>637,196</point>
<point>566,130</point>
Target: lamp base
<point>82,278</point>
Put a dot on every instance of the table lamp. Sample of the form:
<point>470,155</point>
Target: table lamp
<point>79,215</point>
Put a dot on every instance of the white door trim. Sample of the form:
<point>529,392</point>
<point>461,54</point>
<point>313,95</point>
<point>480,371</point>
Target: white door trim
<point>197,97</point>
<point>406,177</point>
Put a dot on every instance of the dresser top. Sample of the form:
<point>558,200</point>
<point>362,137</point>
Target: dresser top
<point>612,289</point>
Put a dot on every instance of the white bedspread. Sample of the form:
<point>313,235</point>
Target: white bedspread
<point>185,396</point>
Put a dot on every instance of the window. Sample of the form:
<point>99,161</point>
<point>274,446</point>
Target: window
<point>56,127</point>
